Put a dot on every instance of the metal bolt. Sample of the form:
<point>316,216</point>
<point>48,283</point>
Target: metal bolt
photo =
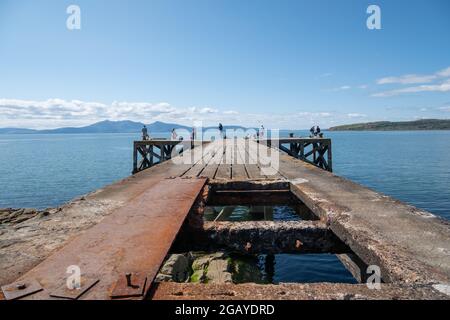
<point>21,286</point>
<point>128,275</point>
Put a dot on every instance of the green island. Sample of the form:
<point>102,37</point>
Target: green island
<point>423,124</point>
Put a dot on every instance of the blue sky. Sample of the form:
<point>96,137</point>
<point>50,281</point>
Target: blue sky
<point>287,64</point>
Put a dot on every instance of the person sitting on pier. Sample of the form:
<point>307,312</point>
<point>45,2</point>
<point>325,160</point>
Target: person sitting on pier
<point>145,135</point>
<point>174,134</point>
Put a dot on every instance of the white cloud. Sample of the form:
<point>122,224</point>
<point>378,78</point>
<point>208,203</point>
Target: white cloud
<point>54,113</point>
<point>414,78</point>
<point>314,114</point>
<point>444,73</point>
<point>407,79</point>
<point>341,88</point>
<point>356,115</point>
<point>203,110</point>
<point>230,112</point>
<point>442,87</point>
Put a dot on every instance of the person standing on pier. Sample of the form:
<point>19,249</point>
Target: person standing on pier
<point>193,134</point>
<point>312,131</point>
<point>261,132</point>
<point>145,135</point>
<point>221,130</point>
<point>174,135</point>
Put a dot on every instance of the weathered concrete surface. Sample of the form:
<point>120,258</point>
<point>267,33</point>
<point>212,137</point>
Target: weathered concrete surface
<point>355,266</point>
<point>264,237</point>
<point>26,244</point>
<point>218,267</point>
<point>11,216</point>
<point>211,267</point>
<point>219,271</point>
<point>313,291</point>
<point>176,268</point>
<point>409,244</point>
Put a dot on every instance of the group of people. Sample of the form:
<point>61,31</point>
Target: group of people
<point>173,135</point>
<point>315,132</point>
<point>260,134</point>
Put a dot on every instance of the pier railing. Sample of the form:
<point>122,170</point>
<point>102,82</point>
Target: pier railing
<point>316,151</point>
<point>147,153</point>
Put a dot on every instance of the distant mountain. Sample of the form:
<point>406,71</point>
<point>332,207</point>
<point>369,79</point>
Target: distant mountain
<point>101,127</point>
<point>425,124</point>
<point>108,126</point>
<point>159,126</point>
<point>16,131</point>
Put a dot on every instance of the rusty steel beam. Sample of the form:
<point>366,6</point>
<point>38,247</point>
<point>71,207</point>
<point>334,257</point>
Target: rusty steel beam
<point>263,237</point>
<point>132,240</point>
<point>293,291</point>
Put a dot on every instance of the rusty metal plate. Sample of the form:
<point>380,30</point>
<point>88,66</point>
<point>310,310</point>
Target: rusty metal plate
<point>136,237</point>
<point>130,285</point>
<point>21,289</point>
<point>74,294</point>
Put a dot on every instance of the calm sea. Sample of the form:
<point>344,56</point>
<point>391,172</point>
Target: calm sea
<point>48,170</point>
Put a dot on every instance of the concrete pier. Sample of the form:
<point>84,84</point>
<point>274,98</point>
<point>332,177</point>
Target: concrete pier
<point>160,208</point>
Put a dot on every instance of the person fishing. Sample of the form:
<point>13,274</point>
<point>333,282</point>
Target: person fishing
<point>312,131</point>
<point>221,130</point>
<point>319,133</point>
<point>145,135</point>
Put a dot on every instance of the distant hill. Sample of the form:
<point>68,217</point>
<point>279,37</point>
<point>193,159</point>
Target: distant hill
<point>16,131</point>
<point>108,126</point>
<point>425,124</point>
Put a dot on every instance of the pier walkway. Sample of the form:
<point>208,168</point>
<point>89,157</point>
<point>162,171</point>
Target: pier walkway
<point>410,246</point>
